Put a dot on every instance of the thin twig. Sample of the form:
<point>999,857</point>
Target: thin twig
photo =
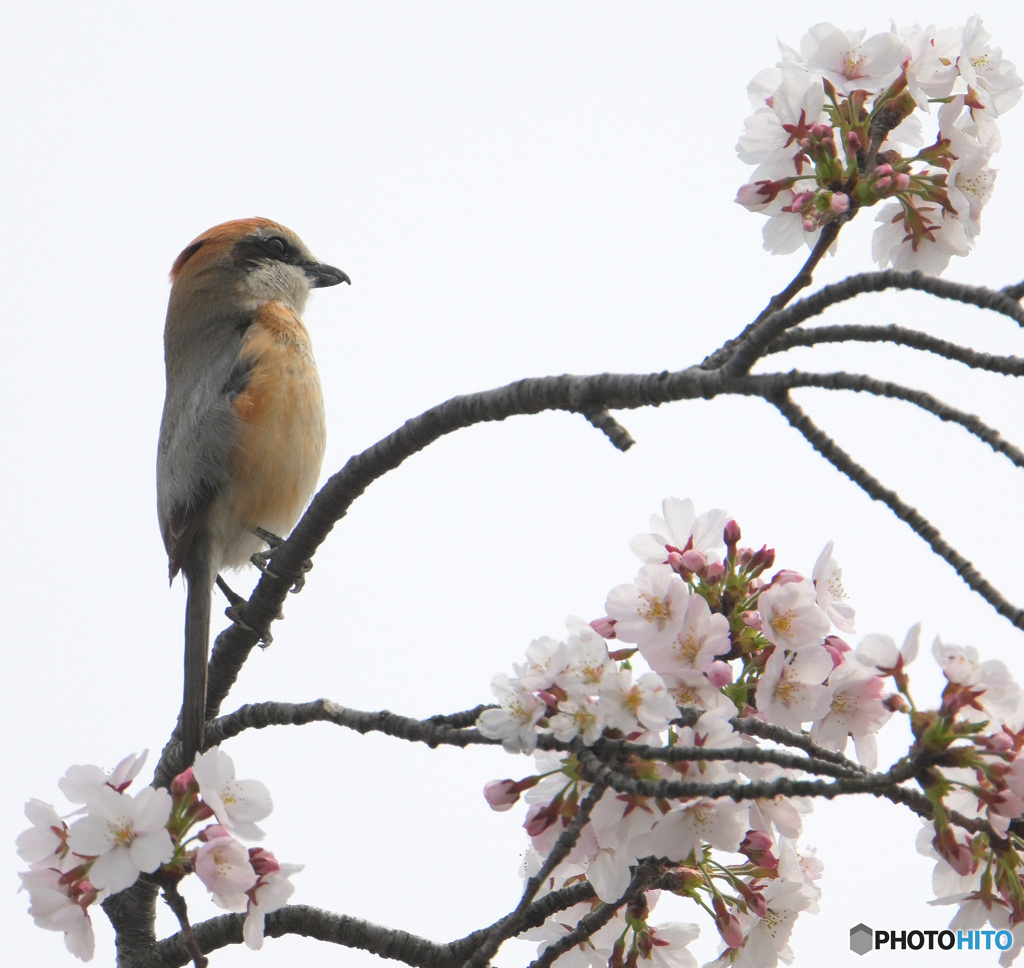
<point>916,521</point>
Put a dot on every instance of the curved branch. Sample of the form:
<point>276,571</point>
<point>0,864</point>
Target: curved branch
<point>916,521</point>
<point>734,754</point>
<point>645,876</point>
<point>751,345</point>
<point>513,924</point>
<point>434,731</point>
<point>596,771</point>
<point>770,385</point>
<point>898,336</point>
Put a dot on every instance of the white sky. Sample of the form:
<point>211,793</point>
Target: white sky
<point>516,189</point>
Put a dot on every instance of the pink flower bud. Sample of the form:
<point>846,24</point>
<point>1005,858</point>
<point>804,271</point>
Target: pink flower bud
<point>730,929</point>
<point>761,560</point>
<point>183,785</point>
<point>263,861</point>
<point>731,535</point>
<point>501,794</point>
<point>901,181</point>
<point>539,817</point>
<point>997,742</point>
<point>836,648</point>
<point>676,562</point>
<point>839,203</point>
<point>785,576</point>
<point>755,900</point>
<point>754,197</point>
<point>895,703</point>
<point>714,573</point>
<point>719,673</point>
<point>605,627</point>
<point>957,855</point>
<point>693,560</point>
<point>752,620</point>
<point>213,832</point>
<point>756,841</point>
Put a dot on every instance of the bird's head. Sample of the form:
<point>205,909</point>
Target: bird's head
<point>250,262</point>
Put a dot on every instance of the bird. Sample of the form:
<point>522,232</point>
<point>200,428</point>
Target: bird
<point>242,434</point>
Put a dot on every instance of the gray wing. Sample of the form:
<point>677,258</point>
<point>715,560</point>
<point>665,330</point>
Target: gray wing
<point>199,431</point>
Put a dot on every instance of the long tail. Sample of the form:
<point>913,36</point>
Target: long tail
<point>197,642</point>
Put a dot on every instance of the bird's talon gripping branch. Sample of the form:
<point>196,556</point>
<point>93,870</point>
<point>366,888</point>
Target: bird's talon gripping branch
<point>235,614</point>
<point>262,559</point>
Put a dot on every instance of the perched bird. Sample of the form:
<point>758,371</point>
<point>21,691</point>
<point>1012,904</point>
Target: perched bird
<point>242,436</point>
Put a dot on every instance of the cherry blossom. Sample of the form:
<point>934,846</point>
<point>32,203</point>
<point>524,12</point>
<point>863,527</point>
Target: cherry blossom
<point>986,71</point>
<point>514,724</point>
<point>127,836</point>
<point>46,840</point>
<point>270,893</point>
<point>647,702</point>
<point>578,715</point>
<point>720,823</point>
<point>702,636</point>
<point>767,937</point>
<point>80,783</point>
<point>592,953</point>
<point>791,616</point>
<point>668,945</point>
<point>987,688</point>
<point>650,610</point>
<point>829,592</point>
<point>238,804</point>
<point>856,710</point>
<point>846,59</point>
<point>52,907</point>
<point>831,128</point>
<point>222,864</point>
<point>879,652</point>
<point>791,690</point>
<point>679,527</point>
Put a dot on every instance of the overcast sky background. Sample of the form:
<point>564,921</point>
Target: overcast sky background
<point>515,189</point>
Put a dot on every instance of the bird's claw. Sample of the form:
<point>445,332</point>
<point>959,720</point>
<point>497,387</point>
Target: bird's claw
<point>262,559</point>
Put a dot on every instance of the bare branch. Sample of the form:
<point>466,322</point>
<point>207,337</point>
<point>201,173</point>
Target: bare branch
<point>643,878</point>
<point>769,385</point>
<point>899,336</point>
<point>916,521</point>
<point>751,345</point>
<point>511,925</point>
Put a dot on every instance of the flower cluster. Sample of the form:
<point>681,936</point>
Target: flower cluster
<point>723,640</point>
<point>975,739</point>
<point>119,837</point>
<point>837,126</point>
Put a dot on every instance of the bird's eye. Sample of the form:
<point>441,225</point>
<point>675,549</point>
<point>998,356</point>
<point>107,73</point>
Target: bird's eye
<point>277,246</point>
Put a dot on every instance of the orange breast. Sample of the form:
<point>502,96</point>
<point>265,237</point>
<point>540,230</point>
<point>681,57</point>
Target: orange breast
<point>282,437</point>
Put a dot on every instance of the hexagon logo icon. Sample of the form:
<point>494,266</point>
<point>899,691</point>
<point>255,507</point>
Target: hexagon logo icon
<point>860,939</point>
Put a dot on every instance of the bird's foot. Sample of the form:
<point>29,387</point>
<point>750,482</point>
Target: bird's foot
<point>234,611</point>
<point>262,559</point>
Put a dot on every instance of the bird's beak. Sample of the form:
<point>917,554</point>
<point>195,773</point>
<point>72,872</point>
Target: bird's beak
<point>321,275</point>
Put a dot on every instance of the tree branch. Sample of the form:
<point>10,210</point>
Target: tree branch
<point>916,521</point>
